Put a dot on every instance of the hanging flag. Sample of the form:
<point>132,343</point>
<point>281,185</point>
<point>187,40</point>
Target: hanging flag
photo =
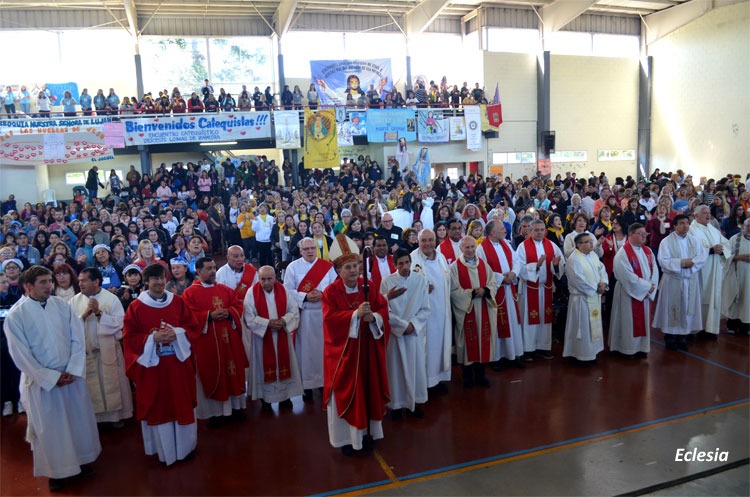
<point>495,110</point>
<point>473,127</point>
<point>321,139</point>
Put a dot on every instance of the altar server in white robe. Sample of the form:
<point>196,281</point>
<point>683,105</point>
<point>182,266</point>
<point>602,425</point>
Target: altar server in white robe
<point>46,342</point>
<point>407,293</point>
<point>540,261</point>
<point>678,306</point>
<point>587,282</point>
<point>271,317</point>
<point>637,275</point>
<point>102,315</point>
<point>438,335</point>
<point>712,274</point>
<point>737,282</point>
<point>501,258</point>
<point>306,278</point>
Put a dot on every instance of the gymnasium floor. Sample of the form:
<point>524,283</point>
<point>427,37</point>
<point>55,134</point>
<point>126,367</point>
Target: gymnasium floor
<point>551,429</point>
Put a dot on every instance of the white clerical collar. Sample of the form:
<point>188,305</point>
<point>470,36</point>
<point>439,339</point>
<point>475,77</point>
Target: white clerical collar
<point>434,255</point>
<point>238,271</point>
<point>206,285</point>
<point>355,289</point>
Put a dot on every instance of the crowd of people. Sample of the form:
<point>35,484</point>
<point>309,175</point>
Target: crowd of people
<point>478,271</point>
<point>18,103</point>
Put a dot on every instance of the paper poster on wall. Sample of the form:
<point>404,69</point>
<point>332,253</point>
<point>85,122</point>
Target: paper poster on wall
<point>473,127</point>
<point>54,146</point>
<point>432,127</point>
<point>457,128</point>
<point>114,135</point>
<point>286,125</point>
<point>544,167</point>
<point>497,170</point>
<point>359,123</point>
<point>198,128</point>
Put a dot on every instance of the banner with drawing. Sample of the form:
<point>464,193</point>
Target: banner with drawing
<point>198,128</point>
<point>431,126</point>
<point>388,125</point>
<point>53,141</point>
<point>457,128</point>
<point>473,127</point>
<point>321,139</point>
<point>336,79</point>
<point>286,127</point>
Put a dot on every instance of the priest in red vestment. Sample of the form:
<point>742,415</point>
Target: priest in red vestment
<point>382,264</point>
<point>219,352</point>
<point>355,330</point>
<point>158,333</point>
<point>450,246</point>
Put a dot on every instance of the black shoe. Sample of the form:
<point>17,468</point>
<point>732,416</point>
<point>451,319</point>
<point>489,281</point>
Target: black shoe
<point>518,363</point>
<point>86,471</point>
<point>483,382</point>
<point>526,357</point>
<point>117,425</point>
<point>368,443</point>
<point>641,355</point>
<point>239,414</point>
<point>468,376</point>
<point>286,404</point>
<point>440,388</point>
<point>480,377</point>
<point>682,345</point>
<point>265,406</point>
<point>690,338</point>
<point>416,413</point>
<point>580,364</point>
<point>215,421</point>
<point>57,484</point>
<point>671,345</point>
<point>708,336</point>
<point>496,366</point>
<point>190,456</point>
<point>348,450</point>
<point>307,397</point>
<point>545,354</point>
<point>397,414</point>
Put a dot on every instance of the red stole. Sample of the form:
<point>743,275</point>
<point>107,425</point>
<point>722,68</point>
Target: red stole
<point>638,308</point>
<point>375,275</point>
<point>446,248</point>
<point>314,276</point>
<point>473,335</point>
<point>248,275</point>
<point>532,288</point>
<point>269,354</point>
<point>503,325</point>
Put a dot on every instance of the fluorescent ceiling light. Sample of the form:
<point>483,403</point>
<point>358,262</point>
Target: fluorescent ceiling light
<point>213,144</point>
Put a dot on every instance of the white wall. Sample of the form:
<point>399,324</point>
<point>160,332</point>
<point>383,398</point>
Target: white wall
<point>701,95</point>
<point>594,106</point>
<point>19,181</point>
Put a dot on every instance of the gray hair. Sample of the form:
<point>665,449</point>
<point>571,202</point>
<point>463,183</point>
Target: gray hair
<point>299,243</point>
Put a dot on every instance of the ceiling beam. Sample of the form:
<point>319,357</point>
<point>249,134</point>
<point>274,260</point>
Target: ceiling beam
<point>132,14</point>
<point>422,15</point>
<point>663,22</point>
<point>559,14</point>
<point>282,19</point>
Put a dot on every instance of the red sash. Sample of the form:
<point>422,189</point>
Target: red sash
<point>532,288</point>
<point>503,324</point>
<point>473,335</point>
<point>269,354</point>
<point>314,276</point>
<point>375,275</point>
<point>638,308</point>
<point>248,275</point>
<point>446,248</point>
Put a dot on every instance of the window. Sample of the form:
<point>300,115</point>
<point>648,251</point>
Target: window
<point>514,158</point>
<point>616,45</point>
<point>513,40</point>
<point>568,43</point>
<point>570,156</point>
<point>615,155</point>
<point>79,178</point>
<point>452,173</point>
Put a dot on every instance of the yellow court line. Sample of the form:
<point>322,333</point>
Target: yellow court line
<point>395,483</point>
<point>386,468</point>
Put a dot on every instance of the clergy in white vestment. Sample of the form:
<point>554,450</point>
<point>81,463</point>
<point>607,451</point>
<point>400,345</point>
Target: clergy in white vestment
<point>712,273</point>
<point>102,315</point>
<point>306,278</point>
<point>678,306</point>
<point>271,317</point>
<point>46,342</point>
<point>236,273</point>
<point>438,335</point>
<point>736,293</point>
<point>637,275</point>
<point>473,292</point>
<point>540,262</point>
<point>407,293</point>
<point>587,282</point>
<point>501,258</point>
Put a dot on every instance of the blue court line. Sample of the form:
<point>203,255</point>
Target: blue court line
<point>507,455</point>
<point>709,361</point>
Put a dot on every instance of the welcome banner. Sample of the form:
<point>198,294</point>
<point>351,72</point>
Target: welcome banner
<point>335,79</point>
<point>53,141</point>
<point>388,125</point>
<point>198,128</point>
<point>321,139</point>
<point>286,126</point>
<point>432,127</point>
